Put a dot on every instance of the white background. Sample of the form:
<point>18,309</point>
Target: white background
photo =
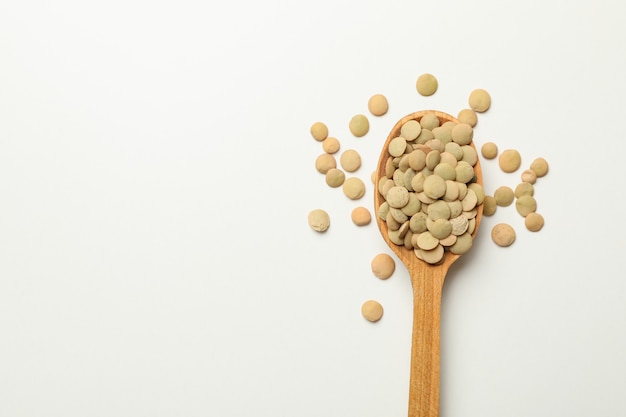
<point>156,172</point>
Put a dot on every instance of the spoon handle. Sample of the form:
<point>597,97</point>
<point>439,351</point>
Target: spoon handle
<point>425,366</point>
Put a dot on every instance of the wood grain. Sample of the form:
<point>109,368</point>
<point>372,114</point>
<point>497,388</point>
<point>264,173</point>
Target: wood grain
<point>427,282</point>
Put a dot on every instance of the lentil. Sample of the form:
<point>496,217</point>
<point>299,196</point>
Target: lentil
<point>539,166</point>
<point>525,205</point>
<point>319,220</point>
<point>324,162</point>
<point>372,310</point>
<point>353,188</point>
<point>383,265</point>
<point>529,176</point>
<point>479,100</point>
<point>426,84</point>
<point>319,131</point>
<point>350,160</point>
<point>335,177</point>
<point>468,116</point>
<point>534,222</point>
<point>510,160</point>
<point>503,234</point>
<point>489,150</point>
<point>330,145</point>
<point>504,196</point>
<point>378,105</point>
<point>359,125</point>
<point>361,216</point>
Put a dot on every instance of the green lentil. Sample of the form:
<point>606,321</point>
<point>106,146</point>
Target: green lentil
<point>468,116</point>
<point>503,234</point>
<point>525,204</point>
<point>378,105</point>
<point>426,84</point>
<point>359,125</point>
<point>540,167</point>
<point>319,131</point>
<point>504,196</point>
<point>479,100</point>
<point>534,222</point>
<point>489,150</point>
<point>319,220</point>
<point>510,160</point>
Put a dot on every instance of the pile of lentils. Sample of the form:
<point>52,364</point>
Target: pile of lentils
<point>343,176</point>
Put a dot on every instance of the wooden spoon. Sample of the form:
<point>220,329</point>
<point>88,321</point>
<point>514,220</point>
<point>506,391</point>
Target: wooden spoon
<point>427,281</point>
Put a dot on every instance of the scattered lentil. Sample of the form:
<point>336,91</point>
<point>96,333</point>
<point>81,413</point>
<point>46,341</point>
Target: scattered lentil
<point>372,310</point>
<point>319,131</point>
<point>504,196</point>
<point>335,177</point>
<point>359,125</point>
<point>324,162</point>
<point>350,160</point>
<point>489,150</point>
<point>524,188</point>
<point>353,188</point>
<point>378,105</point>
<point>529,176</point>
<point>534,222</point>
<point>510,160</point>
<point>383,265</point>
<point>319,220</point>
<point>330,145</point>
<point>361,216</point>
<point>426,84</point>
<point>503,234</point>
<point>525,205</point>
<point>539,166</point>
<point>479,100</point>
<point>489,205</point>
<point>468,116</point>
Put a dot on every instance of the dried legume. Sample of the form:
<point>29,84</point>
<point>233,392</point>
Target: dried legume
<point>489,150</point>
<point>525,205</point>
<point>378,105</point>
<point>319,131</point>
<point>430,195</point>
<point>330,145</point>
<point>324,162</point>
<point>372,310</point>
<point>335,177</point>
<point>319,220</point>
<point>353,188</point>
<point>539,166</point>
<point>534,222</point>
<point>350,160</point>
<point>479,100</point>
<point>359,125</point>
<point>361,216</point>
<point>383,265</point>
<point>426,84</point>
<point>468,116</point>
<point>504,196</point>
<point>503,234</point>
<point>510,160</point>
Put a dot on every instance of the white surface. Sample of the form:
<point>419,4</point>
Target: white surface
<point>156,171</point>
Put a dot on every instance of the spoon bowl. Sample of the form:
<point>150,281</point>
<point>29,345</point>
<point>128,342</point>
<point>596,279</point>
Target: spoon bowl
<point>427,282</point>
